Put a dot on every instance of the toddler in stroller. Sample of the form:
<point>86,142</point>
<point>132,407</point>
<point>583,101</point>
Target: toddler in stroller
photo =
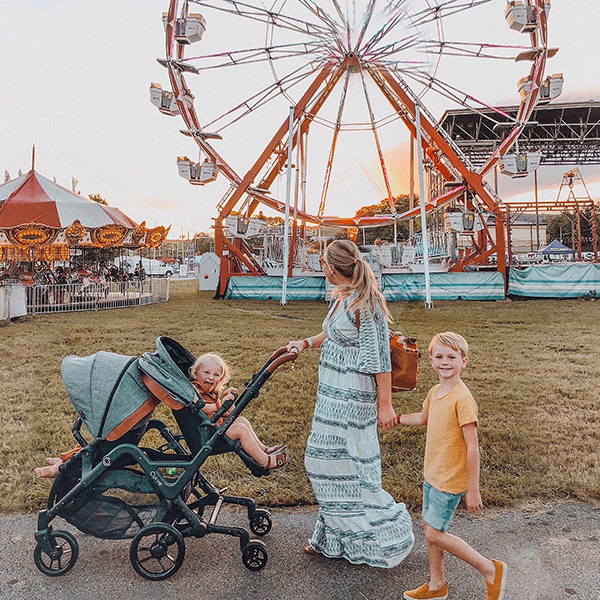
<point>208,374</point>
<point>115,489</point>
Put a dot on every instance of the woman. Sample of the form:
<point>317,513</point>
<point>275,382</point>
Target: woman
<point>357,520</point>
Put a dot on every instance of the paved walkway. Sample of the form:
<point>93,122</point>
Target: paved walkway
<point>553,553</point>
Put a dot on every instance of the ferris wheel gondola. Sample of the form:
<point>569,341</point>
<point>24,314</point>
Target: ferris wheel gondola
<point>361,67</point>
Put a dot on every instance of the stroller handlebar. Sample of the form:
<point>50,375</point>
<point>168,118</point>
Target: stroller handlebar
<point>280,357</point>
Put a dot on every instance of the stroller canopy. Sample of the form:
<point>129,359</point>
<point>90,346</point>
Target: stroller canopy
<point>108,392</point>
<point>166,373</point>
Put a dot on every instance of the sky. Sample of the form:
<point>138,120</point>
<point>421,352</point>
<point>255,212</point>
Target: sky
<point>75,78</point>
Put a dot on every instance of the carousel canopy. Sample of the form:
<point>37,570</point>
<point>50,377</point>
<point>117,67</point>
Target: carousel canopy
<point>32,198</point>
<point>40,220</point>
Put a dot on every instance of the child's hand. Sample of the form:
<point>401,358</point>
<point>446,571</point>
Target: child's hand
<point>230,394</point>
<point>474,502</point>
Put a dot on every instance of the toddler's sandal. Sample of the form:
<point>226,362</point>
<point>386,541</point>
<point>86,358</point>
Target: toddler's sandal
<point>276,461</point>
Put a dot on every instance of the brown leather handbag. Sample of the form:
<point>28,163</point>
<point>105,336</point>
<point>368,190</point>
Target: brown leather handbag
<point>405,355</point>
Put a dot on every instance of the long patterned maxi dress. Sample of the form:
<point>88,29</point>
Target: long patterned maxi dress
<point>358,520</point>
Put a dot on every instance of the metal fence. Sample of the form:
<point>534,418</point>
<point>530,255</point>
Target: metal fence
<point>71,297</point>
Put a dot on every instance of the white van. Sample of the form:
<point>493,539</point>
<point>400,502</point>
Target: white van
<point>152,267</point>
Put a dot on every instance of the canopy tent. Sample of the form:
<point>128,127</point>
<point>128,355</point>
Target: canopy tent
<point>556,247</point>
<point>41,220</point>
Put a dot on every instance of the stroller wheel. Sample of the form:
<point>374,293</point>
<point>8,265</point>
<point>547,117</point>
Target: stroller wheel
<point>157,551</point>
<point>62,559</point>
<point>260,522</point>
<point>254,555</point>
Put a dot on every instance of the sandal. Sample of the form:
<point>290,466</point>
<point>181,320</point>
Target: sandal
<point>308,549</point>
<point>276,449</point>
<point>276,461</point>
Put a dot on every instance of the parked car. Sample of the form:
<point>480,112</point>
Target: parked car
<point>152,267</point>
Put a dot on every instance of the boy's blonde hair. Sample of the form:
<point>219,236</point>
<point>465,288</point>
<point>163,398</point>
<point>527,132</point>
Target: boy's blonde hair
<point>452,340</point>
<point>226,371</point>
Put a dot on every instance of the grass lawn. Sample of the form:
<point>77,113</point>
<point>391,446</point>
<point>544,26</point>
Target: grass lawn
<point>534,370</point>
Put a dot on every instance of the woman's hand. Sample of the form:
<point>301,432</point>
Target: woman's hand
<point>387,417</point>
<point>297,345</point>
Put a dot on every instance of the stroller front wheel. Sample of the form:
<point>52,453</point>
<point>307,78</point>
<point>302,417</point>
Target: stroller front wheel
<point>254,555</point>
<point>62,558</point>
<point>157,551</point>
<point>260,522</point>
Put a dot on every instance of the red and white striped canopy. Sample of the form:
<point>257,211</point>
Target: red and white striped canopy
<point>31,198</point>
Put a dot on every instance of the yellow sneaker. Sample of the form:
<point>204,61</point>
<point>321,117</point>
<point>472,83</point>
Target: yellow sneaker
<point>424,593</point>
<point>495,591</point>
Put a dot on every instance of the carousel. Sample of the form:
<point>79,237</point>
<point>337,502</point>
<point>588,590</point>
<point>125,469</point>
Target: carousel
<point>52,237</point>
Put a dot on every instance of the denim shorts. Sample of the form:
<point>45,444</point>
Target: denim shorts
<point>438,507</point>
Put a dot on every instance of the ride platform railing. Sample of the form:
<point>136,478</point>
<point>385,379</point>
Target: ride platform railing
<point>70,297</point>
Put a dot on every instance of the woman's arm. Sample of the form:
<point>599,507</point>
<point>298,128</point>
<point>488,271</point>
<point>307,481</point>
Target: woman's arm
<point>387,414</point>
<point>473,498</point>
<point>301,345</point>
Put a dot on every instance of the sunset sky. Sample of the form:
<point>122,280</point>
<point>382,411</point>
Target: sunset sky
<point>75,80</point>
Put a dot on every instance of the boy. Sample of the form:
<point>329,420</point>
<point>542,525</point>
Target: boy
<point>451,468</point>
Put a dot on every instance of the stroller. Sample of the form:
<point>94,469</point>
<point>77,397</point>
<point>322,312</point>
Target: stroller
<point>113,488</point>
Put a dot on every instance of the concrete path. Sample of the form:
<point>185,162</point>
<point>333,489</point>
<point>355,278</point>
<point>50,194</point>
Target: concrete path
<point>553,553</point>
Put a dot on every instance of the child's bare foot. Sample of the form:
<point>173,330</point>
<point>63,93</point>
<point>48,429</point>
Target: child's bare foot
<point>51,470</point>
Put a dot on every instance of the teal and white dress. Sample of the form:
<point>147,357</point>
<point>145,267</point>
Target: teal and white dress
<point>358,520</point>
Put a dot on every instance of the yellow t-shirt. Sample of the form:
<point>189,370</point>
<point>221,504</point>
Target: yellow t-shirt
<point>445,448</point>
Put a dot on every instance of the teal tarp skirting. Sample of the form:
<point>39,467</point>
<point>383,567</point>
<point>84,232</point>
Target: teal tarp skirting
<point>444,286</point>
<point>555,281</point>
<point>269,288</point>
<point>487,285</point>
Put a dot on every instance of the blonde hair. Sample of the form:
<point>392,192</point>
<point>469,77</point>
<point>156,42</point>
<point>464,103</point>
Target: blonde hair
<point>345,256</point>
<point>226,371</point>
<point>452,340</point>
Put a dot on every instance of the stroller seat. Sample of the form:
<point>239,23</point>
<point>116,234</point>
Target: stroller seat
<point>165,373</point>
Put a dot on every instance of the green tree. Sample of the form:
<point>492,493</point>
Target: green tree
<point>563,228</point>
<point>385,232</point>
<point>98,198</point>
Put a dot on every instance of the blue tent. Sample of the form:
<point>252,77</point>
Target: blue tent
<point>555,247</point>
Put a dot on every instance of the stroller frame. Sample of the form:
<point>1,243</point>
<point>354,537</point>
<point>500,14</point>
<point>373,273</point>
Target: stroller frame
<point>56,551</point>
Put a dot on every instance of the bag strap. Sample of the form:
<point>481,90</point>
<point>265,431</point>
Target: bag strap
<point>357,319</point>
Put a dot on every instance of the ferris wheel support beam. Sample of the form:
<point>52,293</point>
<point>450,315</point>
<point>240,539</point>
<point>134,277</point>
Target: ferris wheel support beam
<point>227,268</point>
<point>410,124</point>
<point>304,125</point>
<point>473,180</point>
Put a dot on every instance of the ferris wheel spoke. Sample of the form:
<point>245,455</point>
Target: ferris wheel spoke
<point>444,9</point>
<point>344,21</point>
<point>473,49</point>
<point>258,13</point>
<point>456,95</point>
<point>366,21</point>
<point>402,45</point>
<point>261,98</point>
<point>252,55</point>
<point>391,23</point>
<point>321,14</point>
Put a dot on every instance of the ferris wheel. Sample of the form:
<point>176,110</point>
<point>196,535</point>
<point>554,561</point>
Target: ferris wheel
<point>325,88</point>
